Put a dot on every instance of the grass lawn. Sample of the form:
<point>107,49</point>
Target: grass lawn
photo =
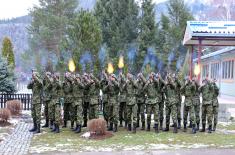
<point>68,141</point>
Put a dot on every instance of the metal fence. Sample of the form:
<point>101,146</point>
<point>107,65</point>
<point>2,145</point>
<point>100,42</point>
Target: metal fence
<point>26,100</point>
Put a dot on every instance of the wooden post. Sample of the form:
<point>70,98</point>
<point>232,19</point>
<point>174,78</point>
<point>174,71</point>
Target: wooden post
<point>199,57</point>
<point>191,63</point>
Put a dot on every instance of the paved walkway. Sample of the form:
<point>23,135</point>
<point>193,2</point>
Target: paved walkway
<point>18,142</point>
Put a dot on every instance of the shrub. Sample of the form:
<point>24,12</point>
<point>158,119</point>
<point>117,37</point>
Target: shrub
<point>97,126</point>
<point>5,114</point>
<point>15,107</point>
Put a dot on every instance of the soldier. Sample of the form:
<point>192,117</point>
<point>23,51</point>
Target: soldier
<point>207,109</point>
<point>47,97</point>
<point>103,84</point>
<point>153,89</point>
<point>94,91</point>
<point>141,81</point>
<point>178,86</point>
<point>189,89</point>
<point>113,90</point>
<point>196,102</point>
<point>68,98</point>
<point>86,99</point>
<point>171,102</point>
<point>161,107</point>
<point>122,101</point>
<point>215,103</point>
<point>130,87</point>
<point>78,88</point>
<point>56,102</point>
<point>36,85</point>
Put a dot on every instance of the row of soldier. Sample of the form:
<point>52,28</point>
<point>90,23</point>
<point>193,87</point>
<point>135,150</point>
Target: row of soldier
<point>123,100</point>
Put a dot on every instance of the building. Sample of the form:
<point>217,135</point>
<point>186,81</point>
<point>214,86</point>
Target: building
<point>220,65</point>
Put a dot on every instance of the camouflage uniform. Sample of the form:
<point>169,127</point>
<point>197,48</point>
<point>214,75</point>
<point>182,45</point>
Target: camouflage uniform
<point>178,86</point>
<point>76,117</point>
<point>47,86</point>
<point>94,91</point>
<point>103,84</point>
<point>153,89</point>
<point>130,88</point>
<point>189,89</point>
<point>68,99</point>
<point>122,101</point>
<point>196,104</point>
<point>215,104</point>
<point>161,110</point>
<point>140,98</point>
<point>86,100</point>
<point>56,94</point>
<point>171,103</point>
<point>36,86</point>
<point>207,109</point>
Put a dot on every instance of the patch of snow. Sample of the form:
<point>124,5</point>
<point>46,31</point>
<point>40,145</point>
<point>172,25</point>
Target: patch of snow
<point>196,146</point>
<point>42,149</point>
<point>86,135</point>
<point>159,146</point>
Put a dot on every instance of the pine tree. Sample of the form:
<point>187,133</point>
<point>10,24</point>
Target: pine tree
<point>7,51</point>
<point>148,29</point>
<point>7,78</point>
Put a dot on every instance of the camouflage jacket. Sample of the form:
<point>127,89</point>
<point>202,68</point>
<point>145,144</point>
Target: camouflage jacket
<point>94,91</point>
<point>56,92</point>
<point>122,91</point>
<point>188,90</point>
<point>103,84</point>
<point>140,95</point>
<point>36,85</point>
<point>207,95</point>
<point>47,86</point>
<point>113,89</point>
<point>78,88</point>
<point>131,87</point>
<point>215,94</point>
<point>68,91</point>
<point>171,94</point>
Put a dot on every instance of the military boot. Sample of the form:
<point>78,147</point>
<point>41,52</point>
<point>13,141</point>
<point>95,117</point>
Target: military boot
<point>194,129</point>
<point>197,127</point>
<point>110,127</point>
<point>175,128</point>
<point>190,124</point>
<point>148,127</point>
<point>120,125</point>
<point>65,124</point>
<point>156,128</point>
<point>72,124</point>
<point>75,127</point>
<point>51,124</point>
<point>46,125</point>
<point>172,125</point>
<point>167,127</point>
<point>134,128</point>
<point>115,128</point>
<point>129,127</point>
<point>57,129</point>
<point>126,124</point>
<point>38,129</point>
<point>179,123</point>
<point>34,128</point>
<point>210,129</point>
<point>185,127</point>
<point>78,129</point>
<point>203,128</point>
<point>214,127</point>
<point>54,128</point>
<point>85,123</point>
<point>138,123</point>
<point>161,122</point>
<point>143,126</point>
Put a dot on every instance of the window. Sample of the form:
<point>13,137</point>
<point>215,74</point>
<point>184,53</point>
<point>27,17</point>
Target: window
<point>228,69</point>
<point>205,71</point>
<point>215,68</point>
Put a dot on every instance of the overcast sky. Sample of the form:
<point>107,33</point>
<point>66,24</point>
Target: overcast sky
<point>16,8</point>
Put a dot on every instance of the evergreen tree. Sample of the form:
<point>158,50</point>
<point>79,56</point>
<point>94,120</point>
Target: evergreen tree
<point>7,78</point>
<point>148,29</point>
<point>84,34</point>
<point>49,23</point>
<point>7,51</point>
<point>119,23</point>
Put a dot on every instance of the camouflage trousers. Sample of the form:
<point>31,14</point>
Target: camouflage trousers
<point>51,111</point>
<point>76,112</point>
<point>196,104</point>
<point>171,110</point>
<point>67,111</point>
<point>189,111</point>
<point>93,111</point>
<point>85,108</point>
<point>161,110</point>
<point>152,109</point>
<point>122,111</point>
<point>113,110</point>
<point>132,113</point>
<point>106,111</point>
<point>36,112</point>
<point>207,111</point>
<point>179,109</point>
<point>57,114</point>
<point>215,113</point>
<point>46,104</point>
<point>140,112</point>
